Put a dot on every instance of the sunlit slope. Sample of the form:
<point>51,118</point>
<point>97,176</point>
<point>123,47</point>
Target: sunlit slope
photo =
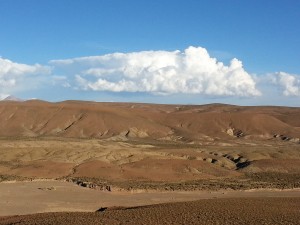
<point>157,122</point>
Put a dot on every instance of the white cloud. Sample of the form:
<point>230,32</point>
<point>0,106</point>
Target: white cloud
<point>13,74</point>
<point>192,71</point>
<point>290,83</point>
<point>60,80</point>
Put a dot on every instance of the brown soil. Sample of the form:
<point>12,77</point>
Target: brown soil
<point>126,142</point>
<point>271,211</point>
<point>166,122</point>
<point>159,165</point>
<point>39,196</point>
<point>145,147</point>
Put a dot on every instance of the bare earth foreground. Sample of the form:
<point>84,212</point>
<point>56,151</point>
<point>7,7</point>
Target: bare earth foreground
<point>81,156</point>
<point>218,211</point>
<point>18,198</point>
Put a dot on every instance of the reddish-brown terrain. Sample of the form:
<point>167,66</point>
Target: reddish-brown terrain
<point>120,142</point>
<point>139,147</point>
<point>271,211</point>
<point>146,121</point>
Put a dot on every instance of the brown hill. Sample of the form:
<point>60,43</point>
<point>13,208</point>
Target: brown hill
<point>147,146</point>
<point>148,121</point>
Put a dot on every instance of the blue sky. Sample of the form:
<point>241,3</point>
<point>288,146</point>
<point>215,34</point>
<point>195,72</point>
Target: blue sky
<point>58,50</point>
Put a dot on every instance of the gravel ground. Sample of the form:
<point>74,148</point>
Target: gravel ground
<point>208,211</point>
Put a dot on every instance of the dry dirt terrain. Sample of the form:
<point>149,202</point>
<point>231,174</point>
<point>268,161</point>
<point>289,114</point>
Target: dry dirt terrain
<point>144,147</point>
<point>271,211</point>
<point>40,196</point>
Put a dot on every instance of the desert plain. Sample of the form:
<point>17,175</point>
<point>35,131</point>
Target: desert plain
<point>77,162</point>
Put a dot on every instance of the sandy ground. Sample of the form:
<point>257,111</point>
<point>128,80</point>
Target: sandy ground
<point>17,198</point>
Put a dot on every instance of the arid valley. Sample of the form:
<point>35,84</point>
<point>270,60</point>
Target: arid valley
<point>147,112</point>
<point>126,161</point>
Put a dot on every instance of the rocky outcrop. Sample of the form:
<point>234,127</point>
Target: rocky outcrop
<point>91,185</point>
<point>134,133</point>
<point>235,132</point>
<point>286,138</point>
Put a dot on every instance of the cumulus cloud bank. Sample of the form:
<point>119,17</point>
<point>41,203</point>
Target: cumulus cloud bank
<point>290,83</point>
<point>12,73</point>
<point>192,71</point>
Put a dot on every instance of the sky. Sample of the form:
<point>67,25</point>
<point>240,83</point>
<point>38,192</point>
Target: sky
<point>244,52</point>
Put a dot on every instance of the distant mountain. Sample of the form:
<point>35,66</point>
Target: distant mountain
<point>12,98</point>
<point>178,123</point>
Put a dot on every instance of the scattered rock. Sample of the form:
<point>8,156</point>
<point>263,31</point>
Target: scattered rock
<point>230,131</point>
<point>210,160</point>
<point>134,133</point>
<point>189,157</point>
<point>47,188</point>
<point>235,132</point>
<point>91,185</point>
<point>102,209</point>
<point>296,140</point>
<point>286,138</point>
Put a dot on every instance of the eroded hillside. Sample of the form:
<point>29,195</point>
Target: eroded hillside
<point>151,146</point>
<point>121,121</point>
